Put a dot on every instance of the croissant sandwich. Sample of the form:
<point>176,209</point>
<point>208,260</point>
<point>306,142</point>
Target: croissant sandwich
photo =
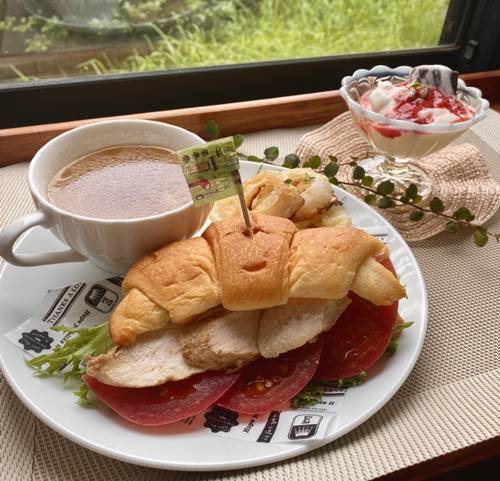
<point>220,301</point>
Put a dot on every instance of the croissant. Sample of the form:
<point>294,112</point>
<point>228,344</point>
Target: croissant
<point>301,195</point>
<point>227,269</point>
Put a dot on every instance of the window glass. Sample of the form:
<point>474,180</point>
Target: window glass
<point>58,38</point>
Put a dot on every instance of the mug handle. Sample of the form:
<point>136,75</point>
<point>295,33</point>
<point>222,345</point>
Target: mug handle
<point>11,234</point>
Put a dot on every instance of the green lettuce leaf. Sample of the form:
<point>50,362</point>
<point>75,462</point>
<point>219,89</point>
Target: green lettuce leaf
<point>69,359</point>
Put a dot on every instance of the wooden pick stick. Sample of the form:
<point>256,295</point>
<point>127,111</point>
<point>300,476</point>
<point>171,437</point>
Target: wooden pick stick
<point>246,215</point>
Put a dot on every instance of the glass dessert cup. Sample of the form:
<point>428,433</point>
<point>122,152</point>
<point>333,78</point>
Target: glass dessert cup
<point>402,142</point>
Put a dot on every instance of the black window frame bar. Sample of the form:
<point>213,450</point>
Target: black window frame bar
<point>473,45</point>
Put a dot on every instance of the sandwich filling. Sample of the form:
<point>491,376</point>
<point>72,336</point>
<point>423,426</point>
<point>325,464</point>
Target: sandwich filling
<point>221,301</point>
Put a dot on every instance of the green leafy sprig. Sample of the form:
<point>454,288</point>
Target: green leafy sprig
<point>382,195</point>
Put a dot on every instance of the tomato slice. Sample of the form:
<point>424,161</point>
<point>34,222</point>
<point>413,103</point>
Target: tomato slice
<point>267,384</point>
<point>167,403</point>
<point>358,338</point>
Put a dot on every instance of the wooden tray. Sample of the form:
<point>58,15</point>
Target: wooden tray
<point>20,144</point>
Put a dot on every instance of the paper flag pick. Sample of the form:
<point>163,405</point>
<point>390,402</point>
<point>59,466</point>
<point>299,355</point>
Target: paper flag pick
<point>211,170</point>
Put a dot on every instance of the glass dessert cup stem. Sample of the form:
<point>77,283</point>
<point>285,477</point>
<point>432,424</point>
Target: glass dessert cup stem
<point>401,172</point>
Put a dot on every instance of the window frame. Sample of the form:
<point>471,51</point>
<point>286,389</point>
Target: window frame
<point>472,41</point>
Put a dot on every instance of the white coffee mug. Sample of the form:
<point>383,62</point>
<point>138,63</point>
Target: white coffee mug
<point>112,244</point>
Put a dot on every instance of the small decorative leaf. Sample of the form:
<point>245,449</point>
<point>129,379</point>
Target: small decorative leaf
<point>436,205</point>
<point>358,173</point>
<point>253,158</point>
<point>353,163</point>
<point>333,180</point>
<point>313,162</point>
<point>238,140</point>
<point>463,214</point>
<point>411,192</point>
<point>292,161</point>
<point>333,158</point>
<point>480,236</point>
<point>212,130</point>
<point>367,181</point>
<point>403,199</point>
<point>416,215</point>
<point>385,188</point>
<point>386,203</point>
<point>370,198</point>
<point>331,169</point>
<point>271,153</point>
<point>288,181</point>
<point>417,199</point>
<point>452,227</point>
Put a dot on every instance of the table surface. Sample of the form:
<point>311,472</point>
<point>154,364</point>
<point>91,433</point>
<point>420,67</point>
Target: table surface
<point>449,402</point>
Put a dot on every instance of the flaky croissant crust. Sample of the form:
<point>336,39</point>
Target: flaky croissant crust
<point>228,267</point>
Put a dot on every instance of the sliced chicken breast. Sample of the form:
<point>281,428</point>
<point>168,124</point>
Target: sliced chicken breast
<point>227,341</point>
<point>154,359</point>
<point>288,327</point>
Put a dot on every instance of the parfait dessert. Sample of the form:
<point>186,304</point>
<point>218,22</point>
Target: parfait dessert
<point>407,113</point>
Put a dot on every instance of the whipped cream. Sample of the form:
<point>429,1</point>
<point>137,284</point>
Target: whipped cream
<point>437,116</point>
<point>381,98</point>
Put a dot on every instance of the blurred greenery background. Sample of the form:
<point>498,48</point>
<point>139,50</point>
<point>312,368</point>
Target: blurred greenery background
<point>142,35</point>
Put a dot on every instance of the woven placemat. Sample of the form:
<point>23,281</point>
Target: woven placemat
<point>450,400</point>
<point>461,177</point>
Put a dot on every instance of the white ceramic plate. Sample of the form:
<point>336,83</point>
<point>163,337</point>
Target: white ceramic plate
<point>21,290</point>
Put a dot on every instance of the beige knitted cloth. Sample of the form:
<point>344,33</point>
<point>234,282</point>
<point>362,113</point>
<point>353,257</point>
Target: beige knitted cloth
<point>451,399</point>
<point>459,171</point>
